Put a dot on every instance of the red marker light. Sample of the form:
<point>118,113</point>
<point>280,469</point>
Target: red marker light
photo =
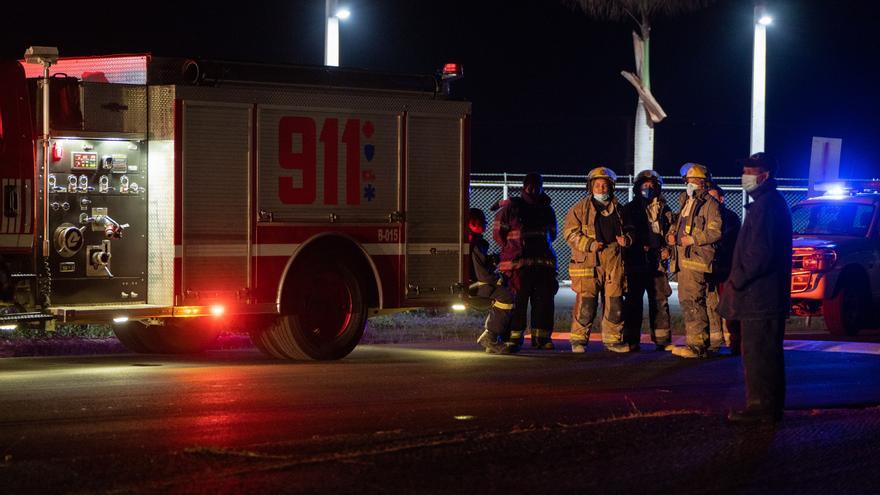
<point>57,151</point>
<point>217,310</point>
<point>450,69</point>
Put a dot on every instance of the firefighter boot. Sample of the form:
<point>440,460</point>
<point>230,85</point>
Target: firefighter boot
<point>687,352</point>
<point>541,340</point>
<point>620,348</point>
<point>515,341</point>
<point>489,341</point>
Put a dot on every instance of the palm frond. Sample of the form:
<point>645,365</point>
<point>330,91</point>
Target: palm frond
<point>635,9</point>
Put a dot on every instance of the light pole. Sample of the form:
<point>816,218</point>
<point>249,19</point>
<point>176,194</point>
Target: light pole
<point>333,15</point>
<point>759,78</point>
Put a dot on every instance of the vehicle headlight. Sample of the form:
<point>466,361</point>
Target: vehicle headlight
<point>813,259</point>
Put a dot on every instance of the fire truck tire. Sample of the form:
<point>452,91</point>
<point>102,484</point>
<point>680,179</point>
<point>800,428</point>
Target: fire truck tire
<point>845,312</point>
<point>263,342</point>
<point>174,337</point>
<point>326,314</point>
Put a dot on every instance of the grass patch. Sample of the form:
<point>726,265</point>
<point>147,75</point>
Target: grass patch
<point>61,331</point>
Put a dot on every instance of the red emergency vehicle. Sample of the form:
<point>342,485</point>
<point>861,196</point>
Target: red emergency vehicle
<point>167,196</point>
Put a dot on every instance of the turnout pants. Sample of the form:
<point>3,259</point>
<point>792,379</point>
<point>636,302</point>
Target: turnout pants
<point>606,279</point>
<point>656,285</point>
<point>764,364</point>
<point>692,293</point>
<point>716,325</point>
<point>498,320</point>
<point>536,284</point>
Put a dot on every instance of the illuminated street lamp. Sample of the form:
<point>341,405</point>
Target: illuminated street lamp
<point>331,35</point>
<point>759,78</point>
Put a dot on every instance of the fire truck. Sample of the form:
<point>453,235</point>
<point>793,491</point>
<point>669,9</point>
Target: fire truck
<point>173,198</point>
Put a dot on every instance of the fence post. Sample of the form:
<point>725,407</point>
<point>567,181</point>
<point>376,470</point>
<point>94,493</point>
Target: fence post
<point>629,190</point>
<point>745,198</point>
<point>504,187</point>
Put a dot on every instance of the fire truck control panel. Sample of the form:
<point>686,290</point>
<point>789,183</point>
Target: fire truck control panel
<point>97,217</point>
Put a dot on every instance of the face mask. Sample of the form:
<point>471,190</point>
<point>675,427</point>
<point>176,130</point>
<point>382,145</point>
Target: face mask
<point>647,193</point>
<point>749,182</point>
<point>602,198</point>
<point>691,189</point>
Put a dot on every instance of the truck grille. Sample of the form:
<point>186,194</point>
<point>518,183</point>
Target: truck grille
<point>801,280</point>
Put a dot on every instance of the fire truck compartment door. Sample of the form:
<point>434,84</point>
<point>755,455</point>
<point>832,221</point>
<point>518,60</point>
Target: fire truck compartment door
<point>215,197</point>
<point>434,202</point>
<point>321,164</point>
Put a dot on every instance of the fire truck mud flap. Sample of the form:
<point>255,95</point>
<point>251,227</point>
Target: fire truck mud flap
<point>172,336</point>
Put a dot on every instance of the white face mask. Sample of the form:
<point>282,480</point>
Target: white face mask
<point>691,189</point>
<point>602,198</point>
<point>749,182</point>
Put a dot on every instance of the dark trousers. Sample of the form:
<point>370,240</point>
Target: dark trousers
<point>764,364</point>
<point>656,284</point>
<point>536,284</point>
<point>734,335</point>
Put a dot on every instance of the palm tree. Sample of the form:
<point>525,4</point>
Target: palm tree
<point>641,12</point>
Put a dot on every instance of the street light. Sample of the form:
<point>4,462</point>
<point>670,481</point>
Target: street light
<point>759,78</point>
<point>331,36</point>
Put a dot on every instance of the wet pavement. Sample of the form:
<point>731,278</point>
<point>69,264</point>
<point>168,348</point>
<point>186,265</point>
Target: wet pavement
<point>433,418</point>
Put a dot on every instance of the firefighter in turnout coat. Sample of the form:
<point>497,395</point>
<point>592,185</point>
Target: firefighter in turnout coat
<point>694,237</point>
<point>593,229</point>
<point>486,283</point>
<point>525,228</point>
<point>647,218</point>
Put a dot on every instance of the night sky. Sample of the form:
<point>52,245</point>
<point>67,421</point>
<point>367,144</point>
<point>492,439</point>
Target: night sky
<point>544,78</point>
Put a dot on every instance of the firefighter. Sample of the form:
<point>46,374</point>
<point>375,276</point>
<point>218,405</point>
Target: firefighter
<point>646,262</point>
<point>594,230</point>
<point>730,224</point>
<point>694,236</point>
<point>488,284</point>
<point>525,228</point>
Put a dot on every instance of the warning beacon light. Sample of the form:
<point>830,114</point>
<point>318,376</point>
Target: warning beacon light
<point>450,72</point>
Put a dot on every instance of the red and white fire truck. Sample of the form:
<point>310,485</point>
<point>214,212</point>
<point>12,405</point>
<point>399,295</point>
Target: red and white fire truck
<point>166,196</point>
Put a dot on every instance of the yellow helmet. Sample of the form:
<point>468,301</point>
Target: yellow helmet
<point>602,173</point>
<point>694,171</point>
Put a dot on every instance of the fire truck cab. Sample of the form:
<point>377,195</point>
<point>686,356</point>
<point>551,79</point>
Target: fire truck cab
<point>174,198</point>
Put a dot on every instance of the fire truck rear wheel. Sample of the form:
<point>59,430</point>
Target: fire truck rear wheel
<point>326,314</point>
<point>263,341</point>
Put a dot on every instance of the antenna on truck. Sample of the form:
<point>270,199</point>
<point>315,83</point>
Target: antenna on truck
<point>45,56</point>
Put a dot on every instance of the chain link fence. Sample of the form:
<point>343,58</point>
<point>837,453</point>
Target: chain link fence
<point>566,190</point>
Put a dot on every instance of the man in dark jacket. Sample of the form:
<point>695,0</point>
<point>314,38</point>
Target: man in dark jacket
<point>525,228</point>
<point>758,291</point>
<point>485,282</point>
<point>730,225</point>
<point>646,262</point>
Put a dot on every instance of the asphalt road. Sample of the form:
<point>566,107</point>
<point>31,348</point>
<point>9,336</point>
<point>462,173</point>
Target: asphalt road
<point>430,419</point>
